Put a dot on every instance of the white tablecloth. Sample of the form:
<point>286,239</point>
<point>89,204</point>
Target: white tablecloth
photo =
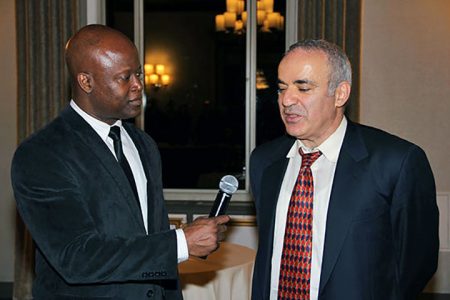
<point>224,275</point>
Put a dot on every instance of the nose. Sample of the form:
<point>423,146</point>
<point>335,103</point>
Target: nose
<point>137,84</point>
<point>289,96</point>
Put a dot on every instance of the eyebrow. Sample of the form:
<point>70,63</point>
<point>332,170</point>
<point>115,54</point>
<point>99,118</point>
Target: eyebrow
<point>298,81</point>
<point>305,81</point>
<point>130,70</point>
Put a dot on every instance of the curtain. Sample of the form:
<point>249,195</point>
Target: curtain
<point>43,27</point>
<point>337,21</point>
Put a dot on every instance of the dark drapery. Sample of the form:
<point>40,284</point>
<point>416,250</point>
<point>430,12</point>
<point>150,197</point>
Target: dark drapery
<point>43,27</point>
<point>337,21</point>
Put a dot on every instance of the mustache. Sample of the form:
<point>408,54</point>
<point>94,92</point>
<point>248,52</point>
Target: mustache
<point>294,110</point>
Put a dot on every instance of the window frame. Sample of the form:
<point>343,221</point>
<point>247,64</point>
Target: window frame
<point>291,36</point>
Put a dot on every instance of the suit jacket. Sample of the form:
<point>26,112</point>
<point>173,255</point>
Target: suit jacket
<point>381,239</point>
<point>81,212</point>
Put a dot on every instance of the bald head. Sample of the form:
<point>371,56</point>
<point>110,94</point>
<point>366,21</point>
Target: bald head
<point>84,48</point>
<point>106,73</point>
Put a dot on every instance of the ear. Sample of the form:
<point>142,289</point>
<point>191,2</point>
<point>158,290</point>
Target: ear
<point>85,81</point>
<point>342,93</point>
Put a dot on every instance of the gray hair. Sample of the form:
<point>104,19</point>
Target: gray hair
<point>340,68</point>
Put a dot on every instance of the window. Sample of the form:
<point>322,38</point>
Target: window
<point>210,82</point>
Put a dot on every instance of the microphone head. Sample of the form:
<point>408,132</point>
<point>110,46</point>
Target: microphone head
<point>228,184</point>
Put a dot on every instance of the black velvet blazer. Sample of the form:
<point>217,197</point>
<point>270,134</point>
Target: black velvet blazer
<point>80,210</point>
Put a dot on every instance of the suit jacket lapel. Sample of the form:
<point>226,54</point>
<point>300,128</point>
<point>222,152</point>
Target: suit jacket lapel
<point>144,156</point>
<point>157,217</point>
<point>272,180</point>
<point>270,189</point>
<point>92,141</point>
<point>343,199</point>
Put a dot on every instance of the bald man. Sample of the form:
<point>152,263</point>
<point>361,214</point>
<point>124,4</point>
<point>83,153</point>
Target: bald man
<point>88,186</point>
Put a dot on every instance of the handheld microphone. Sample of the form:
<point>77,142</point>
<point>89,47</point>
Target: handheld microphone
<point>227,187</point>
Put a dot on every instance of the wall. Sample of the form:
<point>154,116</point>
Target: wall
<point>8,134</point>
<point>405,89</point>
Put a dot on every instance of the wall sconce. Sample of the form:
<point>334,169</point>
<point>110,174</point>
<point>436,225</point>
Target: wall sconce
<point>155,76</point>
<point>235,18</point>
<point>261,81</point>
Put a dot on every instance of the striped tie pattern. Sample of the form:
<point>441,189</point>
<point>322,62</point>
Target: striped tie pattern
<point>295,268</point>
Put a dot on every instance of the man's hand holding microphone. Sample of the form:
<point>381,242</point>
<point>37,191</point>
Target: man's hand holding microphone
<point>204,234</point>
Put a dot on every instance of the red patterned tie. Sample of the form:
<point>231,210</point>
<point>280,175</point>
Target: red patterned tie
<point>295,268</point>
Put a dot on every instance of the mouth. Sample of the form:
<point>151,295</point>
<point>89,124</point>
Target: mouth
<point>136,101</point>
<point>292,117</point>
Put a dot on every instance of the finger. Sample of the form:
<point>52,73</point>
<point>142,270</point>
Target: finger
<point>222,219</point>
<point>220,236</point>
<point>222,228</point>
<point>202,221</point>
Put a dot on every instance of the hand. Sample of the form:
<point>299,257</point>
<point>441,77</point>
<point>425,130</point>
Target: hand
<point>204,234</point>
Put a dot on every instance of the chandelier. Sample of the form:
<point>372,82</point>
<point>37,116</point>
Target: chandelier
<point>155,76</point>
<point>235,18</point>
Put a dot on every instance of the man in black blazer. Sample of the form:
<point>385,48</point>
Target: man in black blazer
<point>98,234</point>
<point>374,215</point>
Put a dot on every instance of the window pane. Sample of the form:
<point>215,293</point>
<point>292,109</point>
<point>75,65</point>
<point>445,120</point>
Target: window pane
<point>197,116</point>
<point>195,108</point>
<point>270,48</point>
<point>119,15</point>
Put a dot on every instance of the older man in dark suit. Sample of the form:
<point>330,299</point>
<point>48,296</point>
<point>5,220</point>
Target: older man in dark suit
<point>88,186</point>
<point>344,211</point>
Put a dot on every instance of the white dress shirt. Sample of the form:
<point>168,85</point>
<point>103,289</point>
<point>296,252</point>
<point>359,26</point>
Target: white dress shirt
<point>131,153</point>
<point>323,174</point>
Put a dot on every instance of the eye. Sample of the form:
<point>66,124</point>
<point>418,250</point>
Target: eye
<point>140,75</point>
<point>304,87</point>
<point>124,77</point>
<point>281,89</point>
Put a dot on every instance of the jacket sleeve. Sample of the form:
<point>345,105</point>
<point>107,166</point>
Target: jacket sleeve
<point>415,222</point>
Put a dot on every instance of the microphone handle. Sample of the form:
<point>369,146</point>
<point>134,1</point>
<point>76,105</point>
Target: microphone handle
<point>220,204</point>
<point>219,207</point>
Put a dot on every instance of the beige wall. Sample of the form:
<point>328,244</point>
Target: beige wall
<point>406,75</point>
<point>8,136</point>
<point>405,89</point>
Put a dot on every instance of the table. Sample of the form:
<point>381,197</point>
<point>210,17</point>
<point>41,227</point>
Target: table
<point>225,275</point>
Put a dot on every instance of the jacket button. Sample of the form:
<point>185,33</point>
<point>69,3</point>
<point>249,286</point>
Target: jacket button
<point>150,293</point>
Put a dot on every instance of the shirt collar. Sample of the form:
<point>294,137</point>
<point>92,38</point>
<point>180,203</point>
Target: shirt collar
<point>100,127</point>
<point>330,148</point>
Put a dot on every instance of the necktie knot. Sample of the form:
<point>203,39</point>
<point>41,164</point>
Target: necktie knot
<point>309,158</point>
<point>114,133</point>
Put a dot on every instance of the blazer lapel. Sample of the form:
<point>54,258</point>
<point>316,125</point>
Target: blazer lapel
<point>157,216</point>
<point>271,182</point>
<point>343,198</point>
<point>92,141</point>
<point>144,155</point>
